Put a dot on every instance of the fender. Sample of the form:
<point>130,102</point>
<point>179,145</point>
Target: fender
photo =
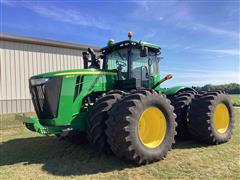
<point>175,89</point>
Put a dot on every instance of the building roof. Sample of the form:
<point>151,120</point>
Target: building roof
<point>47,42</point>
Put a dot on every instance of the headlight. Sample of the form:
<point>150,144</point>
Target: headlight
<point>39,81</point>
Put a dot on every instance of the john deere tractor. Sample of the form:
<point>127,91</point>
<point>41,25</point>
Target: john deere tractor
<point>116,103</point>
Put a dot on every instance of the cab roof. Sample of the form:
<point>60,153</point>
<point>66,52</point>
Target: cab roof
<point>122,44</point>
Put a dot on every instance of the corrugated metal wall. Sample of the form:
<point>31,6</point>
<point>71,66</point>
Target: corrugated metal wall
<point>19,61</point>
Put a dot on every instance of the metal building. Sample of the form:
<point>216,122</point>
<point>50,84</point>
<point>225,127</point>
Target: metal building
<point>22,57</point>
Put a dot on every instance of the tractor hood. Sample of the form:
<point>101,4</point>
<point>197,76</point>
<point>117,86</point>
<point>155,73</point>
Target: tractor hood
<point>76,72</point>
<point>54,92</point>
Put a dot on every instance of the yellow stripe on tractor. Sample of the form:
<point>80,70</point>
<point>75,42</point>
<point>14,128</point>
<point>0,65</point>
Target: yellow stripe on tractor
<point>86,73</point>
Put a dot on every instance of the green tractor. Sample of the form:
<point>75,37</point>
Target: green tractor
<point>116,103</point>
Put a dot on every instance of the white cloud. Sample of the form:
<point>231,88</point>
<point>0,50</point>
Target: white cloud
<point>143,4</point>
<point>180,47</point>
<point>200,70</point>
<point>199,79</point>
<point>200,76</point>
<point>213,30</point>
<point>179,14</point>
<point>150,34</point>
<point>70,16</point>
<point>7,2</point>
<point>231,52</point>
<point>161,18</point>
<point>59,14</point>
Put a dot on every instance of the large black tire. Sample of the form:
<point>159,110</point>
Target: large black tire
<point>123,131</point>
<point>203,117</point>
<point>181,103</point>
<point>96,125</point>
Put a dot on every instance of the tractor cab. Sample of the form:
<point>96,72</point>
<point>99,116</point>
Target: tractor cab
<point>136,62</point>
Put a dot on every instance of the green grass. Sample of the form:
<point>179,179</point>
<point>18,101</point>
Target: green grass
<point>27,155</point>
<point>235,99</point>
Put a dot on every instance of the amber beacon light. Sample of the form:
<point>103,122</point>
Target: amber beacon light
<point>130,35</point>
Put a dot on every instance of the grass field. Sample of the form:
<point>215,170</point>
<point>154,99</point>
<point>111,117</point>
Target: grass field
<point>27,155</point>
<point>235,99</point>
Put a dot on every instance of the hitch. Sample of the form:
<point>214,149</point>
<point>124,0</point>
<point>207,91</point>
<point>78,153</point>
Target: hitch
<point>32,123</point>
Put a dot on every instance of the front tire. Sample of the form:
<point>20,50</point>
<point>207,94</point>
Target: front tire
<point>141,127</point>
<point>96,125</point>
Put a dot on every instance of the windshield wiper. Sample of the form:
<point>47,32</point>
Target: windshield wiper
<point>120,55</point>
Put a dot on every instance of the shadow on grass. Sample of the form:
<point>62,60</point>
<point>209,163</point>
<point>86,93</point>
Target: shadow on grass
<point>64,159</point>
<point>188,144</point>
<point>58,157</point>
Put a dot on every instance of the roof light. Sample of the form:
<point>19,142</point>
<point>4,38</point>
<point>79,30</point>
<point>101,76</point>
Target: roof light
<point>130,35</point>
<point>110,42</point>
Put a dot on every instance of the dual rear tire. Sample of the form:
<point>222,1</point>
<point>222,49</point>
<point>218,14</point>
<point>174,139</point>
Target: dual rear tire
<point>211,118</point>
<point>181,103</point>
<point>140,126</point>
<point>206,116</point>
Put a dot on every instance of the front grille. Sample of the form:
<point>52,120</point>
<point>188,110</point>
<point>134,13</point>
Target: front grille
<point>39,97</point>
<point>45,97</point>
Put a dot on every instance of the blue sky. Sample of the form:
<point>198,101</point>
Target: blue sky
<point>199,39</point>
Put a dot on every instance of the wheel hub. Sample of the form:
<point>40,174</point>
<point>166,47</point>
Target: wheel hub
<point>221,118</point>
<point>152,127</point>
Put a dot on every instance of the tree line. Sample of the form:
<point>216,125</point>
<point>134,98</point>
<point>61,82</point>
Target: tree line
<point>232,88</point>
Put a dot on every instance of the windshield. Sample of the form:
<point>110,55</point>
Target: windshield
<point>140,69</point>
<point>142,62</point>
<point>117,60</point>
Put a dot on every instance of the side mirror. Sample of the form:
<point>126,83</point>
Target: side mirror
<point>144,52</point>
<point>85,59</point>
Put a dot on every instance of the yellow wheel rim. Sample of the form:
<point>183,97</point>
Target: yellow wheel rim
<point>152,127</point>
<point>221,118</point>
